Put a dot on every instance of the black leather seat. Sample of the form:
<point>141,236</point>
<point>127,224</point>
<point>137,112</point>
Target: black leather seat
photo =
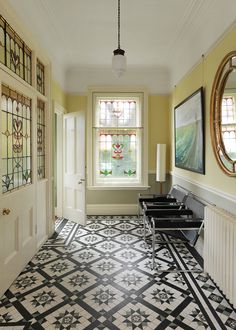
<point>177,194</point>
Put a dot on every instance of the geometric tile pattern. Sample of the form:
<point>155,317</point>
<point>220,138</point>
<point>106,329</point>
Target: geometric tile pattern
<point>100,277</point>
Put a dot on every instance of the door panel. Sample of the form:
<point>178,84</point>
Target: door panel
<point>18,239</point>
<point>27,233</point>
<point>74,167</point>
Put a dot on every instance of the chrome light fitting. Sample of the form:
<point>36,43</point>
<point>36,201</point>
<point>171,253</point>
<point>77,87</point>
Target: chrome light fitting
<point>119,59</point>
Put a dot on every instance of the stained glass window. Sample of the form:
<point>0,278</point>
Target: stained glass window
<point>117,113</point>
<point>40,77</point>
<point>41,139</point>
<point>117,140</point>
<point>228,122</point>
<point>16,140</point>
<point>14,53</point>
<point>117,153</point>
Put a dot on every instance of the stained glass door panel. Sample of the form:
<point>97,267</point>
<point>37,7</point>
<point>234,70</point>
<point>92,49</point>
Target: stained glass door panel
<point>16,140</point>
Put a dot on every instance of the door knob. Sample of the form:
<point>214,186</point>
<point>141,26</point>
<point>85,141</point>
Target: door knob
<point>81,181</point>
<point>6,211</point>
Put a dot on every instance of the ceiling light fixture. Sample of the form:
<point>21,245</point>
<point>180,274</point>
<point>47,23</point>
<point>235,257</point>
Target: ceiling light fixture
<point>119,59</point>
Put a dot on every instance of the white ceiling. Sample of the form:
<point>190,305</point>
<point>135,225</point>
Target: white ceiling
<point>163,39</point>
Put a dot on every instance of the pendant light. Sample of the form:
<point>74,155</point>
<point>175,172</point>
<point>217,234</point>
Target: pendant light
<point>119,59</point>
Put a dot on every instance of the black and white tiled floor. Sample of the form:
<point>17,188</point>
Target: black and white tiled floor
<point>100,277</point>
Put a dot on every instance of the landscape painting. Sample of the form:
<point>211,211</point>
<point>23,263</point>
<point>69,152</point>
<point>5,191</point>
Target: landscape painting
<point>189,133</point>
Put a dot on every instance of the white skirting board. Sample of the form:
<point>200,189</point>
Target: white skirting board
<point>112,209</point>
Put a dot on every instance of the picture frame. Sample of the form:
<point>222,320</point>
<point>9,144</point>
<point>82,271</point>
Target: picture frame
<point>189,133</point>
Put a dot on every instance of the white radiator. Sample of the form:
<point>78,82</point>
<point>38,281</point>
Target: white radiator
<point>220,250</point>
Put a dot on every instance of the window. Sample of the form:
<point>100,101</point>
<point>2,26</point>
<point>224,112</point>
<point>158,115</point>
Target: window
<point>40,77</point>
<point>229,125</point>
<point>14,53</point>
<point>118,141</point>
<point>16,140</point>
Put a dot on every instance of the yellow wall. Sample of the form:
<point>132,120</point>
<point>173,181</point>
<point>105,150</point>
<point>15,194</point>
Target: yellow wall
<point>75,102</point>
<point>203,75</point>
<point>158,127</point>
<point>58,95</point>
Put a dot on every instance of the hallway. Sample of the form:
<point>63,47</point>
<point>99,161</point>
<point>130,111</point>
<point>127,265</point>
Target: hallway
<point>99,277</point>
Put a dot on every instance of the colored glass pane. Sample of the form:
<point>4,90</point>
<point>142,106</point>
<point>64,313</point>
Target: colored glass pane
<point>117,154</point>
<point>117,113</point>
<point>14,53</point>
<point>41,139</point>
<point>40,78</point>
<point>16,140</point>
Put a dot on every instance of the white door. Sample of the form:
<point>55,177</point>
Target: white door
<point>18,239</point>
<point>74,167</point>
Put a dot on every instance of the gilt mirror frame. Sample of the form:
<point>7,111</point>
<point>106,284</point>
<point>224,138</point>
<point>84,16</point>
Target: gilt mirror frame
<point>227,66</point>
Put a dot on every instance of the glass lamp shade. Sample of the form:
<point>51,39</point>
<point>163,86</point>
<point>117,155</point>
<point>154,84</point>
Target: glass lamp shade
<point>119,62</point>
<point>161,163</point>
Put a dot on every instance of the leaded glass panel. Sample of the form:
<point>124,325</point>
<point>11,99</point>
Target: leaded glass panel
<point>14,53</point>
<point>40,77</point>
<point>117,113</point>
<point>117,154</point>
<point>41,139</point>
<point>16,140</point>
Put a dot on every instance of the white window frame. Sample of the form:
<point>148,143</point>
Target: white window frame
<point>94,93</point>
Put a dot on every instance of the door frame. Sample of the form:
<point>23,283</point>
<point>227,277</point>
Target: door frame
<point>58,176</point>
<point>74,174</point>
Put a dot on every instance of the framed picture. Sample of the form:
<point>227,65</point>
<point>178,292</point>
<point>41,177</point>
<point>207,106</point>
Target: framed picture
<point>189,133</point>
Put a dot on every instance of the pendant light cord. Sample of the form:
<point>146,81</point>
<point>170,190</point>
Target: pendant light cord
<point>118,24</point>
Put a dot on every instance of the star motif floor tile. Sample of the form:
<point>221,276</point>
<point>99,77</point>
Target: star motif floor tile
<point>85,256</point>
<point>78,281</point>
<point>103,297</point>
<point>58,267</point>
<point>66,317</point>
<point>108,246</point>
<point>131,280</point>
<point>136,316</point>
<point>42,299</point>
<point>27,281</point>
<point>106,266</point>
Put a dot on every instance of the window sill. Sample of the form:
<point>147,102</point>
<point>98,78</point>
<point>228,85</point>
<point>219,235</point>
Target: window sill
<point>118,187</point>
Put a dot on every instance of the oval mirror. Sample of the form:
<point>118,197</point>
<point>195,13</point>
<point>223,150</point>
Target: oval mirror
<point>223,114</point>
